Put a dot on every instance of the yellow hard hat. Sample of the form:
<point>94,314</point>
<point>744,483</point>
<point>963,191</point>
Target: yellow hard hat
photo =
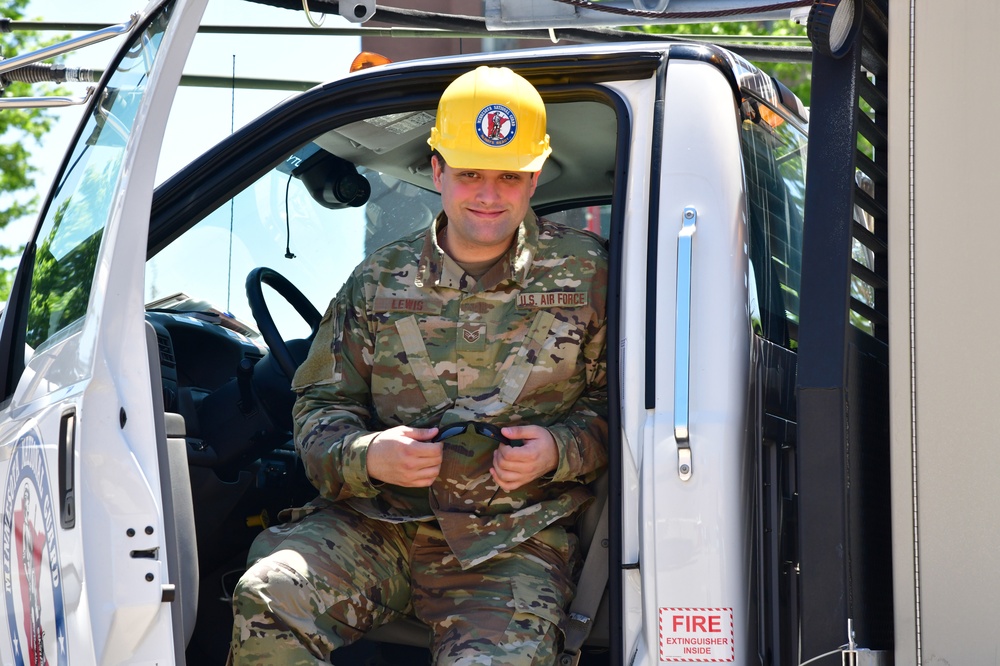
<point>491,118</point>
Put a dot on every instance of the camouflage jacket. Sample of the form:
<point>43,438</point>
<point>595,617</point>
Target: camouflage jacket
<point>412,339</point>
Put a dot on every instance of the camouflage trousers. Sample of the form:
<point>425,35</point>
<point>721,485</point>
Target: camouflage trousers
<point>323,582</point>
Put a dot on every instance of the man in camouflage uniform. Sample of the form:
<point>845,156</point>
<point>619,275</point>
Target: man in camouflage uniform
<point>490,316</point>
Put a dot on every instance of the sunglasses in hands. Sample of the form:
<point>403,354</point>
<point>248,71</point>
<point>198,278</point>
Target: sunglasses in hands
<point>480,428</point>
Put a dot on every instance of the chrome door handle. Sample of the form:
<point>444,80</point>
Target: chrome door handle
<point>682,344</point>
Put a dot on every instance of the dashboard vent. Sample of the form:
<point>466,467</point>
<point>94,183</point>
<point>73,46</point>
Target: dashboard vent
<point>166,351</point>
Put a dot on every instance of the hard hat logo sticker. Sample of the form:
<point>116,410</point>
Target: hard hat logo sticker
<point>496,125</point>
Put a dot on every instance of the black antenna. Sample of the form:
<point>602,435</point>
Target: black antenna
<point>232,202</point>
<point>288,228</point>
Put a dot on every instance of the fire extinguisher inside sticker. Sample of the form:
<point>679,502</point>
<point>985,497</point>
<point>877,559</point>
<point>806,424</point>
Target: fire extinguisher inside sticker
<point>697,635</point>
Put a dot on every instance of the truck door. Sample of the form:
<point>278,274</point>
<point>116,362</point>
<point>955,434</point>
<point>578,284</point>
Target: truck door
<point>698,460</point>
<point>713,443</point>
<point>83,543</point>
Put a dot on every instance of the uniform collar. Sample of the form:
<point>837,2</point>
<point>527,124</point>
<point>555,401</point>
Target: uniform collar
<point>437,269</point>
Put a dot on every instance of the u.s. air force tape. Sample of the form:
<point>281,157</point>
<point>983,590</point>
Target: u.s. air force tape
<point>553,299</point>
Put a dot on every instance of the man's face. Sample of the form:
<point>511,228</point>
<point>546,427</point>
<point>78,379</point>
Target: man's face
<point>484,208</point>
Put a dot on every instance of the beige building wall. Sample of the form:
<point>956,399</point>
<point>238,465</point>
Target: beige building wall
<point>944,236</point>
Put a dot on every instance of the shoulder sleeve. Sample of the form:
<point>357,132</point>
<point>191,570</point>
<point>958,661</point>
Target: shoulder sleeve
<point>332,411</point>
<point>582,435</point>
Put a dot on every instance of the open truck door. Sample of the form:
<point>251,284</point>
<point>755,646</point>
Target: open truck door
<point>78,441</point>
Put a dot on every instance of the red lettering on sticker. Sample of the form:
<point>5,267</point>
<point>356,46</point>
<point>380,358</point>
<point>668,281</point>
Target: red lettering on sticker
<point>709,624</point>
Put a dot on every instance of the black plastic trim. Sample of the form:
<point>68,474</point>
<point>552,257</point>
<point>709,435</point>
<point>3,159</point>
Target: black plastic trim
<point>13,327</point>
<point>67,469</point>
<point>653,236</point>
<point>712,56</point>
<point>749,79</point>
<point>616,241</point>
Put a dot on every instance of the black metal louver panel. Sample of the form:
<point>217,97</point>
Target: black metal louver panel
<point>869,282</point>
<point>842,448</point>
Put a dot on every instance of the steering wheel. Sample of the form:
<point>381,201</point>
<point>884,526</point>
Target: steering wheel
<point>265,322</point>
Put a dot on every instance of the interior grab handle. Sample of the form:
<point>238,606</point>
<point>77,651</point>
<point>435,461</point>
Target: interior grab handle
<point>682,344</point>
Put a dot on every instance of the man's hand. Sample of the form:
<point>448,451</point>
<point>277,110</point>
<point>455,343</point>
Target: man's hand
<point>405,456</point>
<point>514,466</point>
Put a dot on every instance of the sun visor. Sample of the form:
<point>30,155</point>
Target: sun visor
<point>383,133</point>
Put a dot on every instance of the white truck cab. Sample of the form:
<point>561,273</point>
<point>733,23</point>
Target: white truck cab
<point>145,432</point>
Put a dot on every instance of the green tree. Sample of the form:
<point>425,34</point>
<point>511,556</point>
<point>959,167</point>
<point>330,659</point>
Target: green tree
<point>21,131</point>
<point>797,76</point>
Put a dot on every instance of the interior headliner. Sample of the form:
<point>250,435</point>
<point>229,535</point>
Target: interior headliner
<point>583,136</point>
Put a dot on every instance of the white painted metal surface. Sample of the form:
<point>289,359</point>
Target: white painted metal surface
<point>695,532</point>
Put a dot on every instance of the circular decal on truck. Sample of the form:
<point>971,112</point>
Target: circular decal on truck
<point>32,581</point>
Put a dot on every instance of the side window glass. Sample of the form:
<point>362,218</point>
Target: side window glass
<point>70,235</point>
<point>283,221</point>
<point>774,157</point>
<point>596,219</point>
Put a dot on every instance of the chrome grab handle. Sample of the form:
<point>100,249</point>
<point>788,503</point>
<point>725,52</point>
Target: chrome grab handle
<point>45,102</point>
<point>682,344</point>
<point>69,45</point>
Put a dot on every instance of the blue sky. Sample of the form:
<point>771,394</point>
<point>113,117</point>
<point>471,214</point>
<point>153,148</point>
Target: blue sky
<point>201,116</point>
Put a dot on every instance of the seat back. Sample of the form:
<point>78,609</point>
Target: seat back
<point>178,507</point>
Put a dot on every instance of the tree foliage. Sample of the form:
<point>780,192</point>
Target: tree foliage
<point>21,131</point>
<point>797,76</point>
